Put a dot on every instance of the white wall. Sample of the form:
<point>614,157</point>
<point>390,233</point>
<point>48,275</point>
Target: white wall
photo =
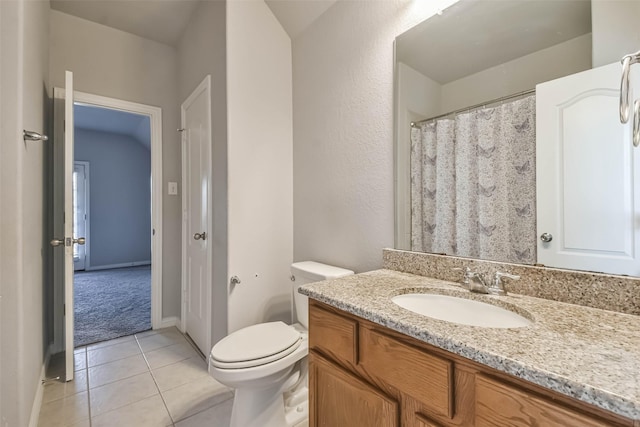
<point>519,74</point>
<point>615,30</point>
<point>119,198</point>
<point>259,164</point>
<point>116,64</point>
<point>418,98</point>
<point>24,90</point>
<point>343,131</point>
<point>202,51</point>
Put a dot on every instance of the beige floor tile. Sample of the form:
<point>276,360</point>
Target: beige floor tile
<point>177,374</point>
<point>110,353</point>
<point>171,354</point>
<point>65,412</point>
<point>80,360</point>
<point>194,397</point>
<point>55,390</point>
<point>161,339</point>
<point>149,412</point>
<point>117,370</point>
<point>155,331</point>
<point>121,393</point>
<point>218,416</point>
<point>83,423</point>
<point>111,342</point>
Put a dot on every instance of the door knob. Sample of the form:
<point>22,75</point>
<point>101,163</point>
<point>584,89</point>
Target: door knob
<point>56,242</point>
<point>200,236</point>
<point>62,242</point>
<point>546,237</point>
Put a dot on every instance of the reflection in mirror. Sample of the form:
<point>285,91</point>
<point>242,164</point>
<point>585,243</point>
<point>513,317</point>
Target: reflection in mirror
<point>466,119</point>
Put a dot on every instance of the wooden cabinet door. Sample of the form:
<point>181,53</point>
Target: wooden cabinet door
<point>339,399</point>
<point>501,405</point>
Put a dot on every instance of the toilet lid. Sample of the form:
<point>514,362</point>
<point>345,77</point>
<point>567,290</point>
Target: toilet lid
<point>256,342</point>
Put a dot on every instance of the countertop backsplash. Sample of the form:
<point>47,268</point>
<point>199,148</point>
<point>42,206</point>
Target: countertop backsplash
<point>597,290</point>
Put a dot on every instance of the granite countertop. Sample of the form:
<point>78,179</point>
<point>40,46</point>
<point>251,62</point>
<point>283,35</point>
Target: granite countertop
<point>589,354</point>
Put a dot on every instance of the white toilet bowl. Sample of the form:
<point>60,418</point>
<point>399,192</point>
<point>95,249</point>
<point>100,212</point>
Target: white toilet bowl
<point>266,363</point>
<point>261,382</point>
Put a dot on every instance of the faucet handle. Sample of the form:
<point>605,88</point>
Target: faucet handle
<point>497,287</point>
<point>467,274</point>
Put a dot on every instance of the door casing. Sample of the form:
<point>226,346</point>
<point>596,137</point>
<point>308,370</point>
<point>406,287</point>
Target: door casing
<point>155,116</point>
<point>205,85</point>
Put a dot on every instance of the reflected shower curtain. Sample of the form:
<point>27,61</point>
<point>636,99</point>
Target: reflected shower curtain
<point>473,184</point>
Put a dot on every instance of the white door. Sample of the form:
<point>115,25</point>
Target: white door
<point>63,239</point>
<point>196,206</point>
<point>80,212</point>
<point>586,171</point>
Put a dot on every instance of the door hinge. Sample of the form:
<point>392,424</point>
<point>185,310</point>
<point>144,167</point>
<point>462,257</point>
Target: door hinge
<point>64,309</point>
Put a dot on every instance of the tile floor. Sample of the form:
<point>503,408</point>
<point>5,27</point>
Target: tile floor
<point>151,379</point>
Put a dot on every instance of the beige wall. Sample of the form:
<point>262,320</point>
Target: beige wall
<point>116,64</point>
<point>615,30</point>
<point>343,131</point>
<point>518,75</point>
<point>260,164</point>
<point>24,93</point>
<point>202,51</point>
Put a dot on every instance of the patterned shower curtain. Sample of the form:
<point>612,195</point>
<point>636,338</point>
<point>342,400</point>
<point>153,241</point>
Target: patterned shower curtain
<point>473,184</point>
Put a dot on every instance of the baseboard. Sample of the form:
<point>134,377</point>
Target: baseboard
<point>122,265</point>
<point>168,322</point>
<point>37,401</point>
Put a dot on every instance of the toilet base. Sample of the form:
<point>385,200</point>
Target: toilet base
<point>285,404</point>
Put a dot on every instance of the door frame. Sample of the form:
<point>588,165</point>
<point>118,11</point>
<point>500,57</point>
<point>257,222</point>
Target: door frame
<point>87,205</point>
<point>155,116</point>
<point>205,85</point>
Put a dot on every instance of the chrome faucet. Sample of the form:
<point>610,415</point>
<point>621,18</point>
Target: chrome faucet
<point>475,282</point>
<point>471,281</point>
<point>497,287</point>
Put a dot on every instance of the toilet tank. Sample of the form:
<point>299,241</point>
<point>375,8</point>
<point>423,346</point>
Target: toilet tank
<point>308,272</point>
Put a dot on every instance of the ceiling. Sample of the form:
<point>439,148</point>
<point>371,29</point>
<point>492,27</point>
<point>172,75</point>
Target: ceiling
<point>99,119</point>
<point>165,20</point>
<point>494,32</point>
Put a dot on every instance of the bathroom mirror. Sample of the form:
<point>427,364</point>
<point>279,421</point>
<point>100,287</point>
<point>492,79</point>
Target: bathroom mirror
<point>483,58</point>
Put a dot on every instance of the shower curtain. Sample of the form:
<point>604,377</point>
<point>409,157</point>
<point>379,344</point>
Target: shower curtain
<point>473,184</point>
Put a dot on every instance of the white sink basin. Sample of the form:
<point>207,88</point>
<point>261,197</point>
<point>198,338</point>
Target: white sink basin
<point>461,310</point>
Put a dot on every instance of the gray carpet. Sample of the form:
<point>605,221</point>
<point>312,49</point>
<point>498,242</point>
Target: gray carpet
<point>111,303</point>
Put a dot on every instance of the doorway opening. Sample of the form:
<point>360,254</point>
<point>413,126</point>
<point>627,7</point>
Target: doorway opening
<point>112,210</point>
<point>117,197</point>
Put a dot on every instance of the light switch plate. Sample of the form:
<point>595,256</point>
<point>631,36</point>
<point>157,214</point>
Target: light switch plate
<point>173,189</point>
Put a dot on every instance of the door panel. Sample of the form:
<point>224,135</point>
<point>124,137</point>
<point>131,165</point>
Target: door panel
<point>63,223</point>
<point>196,176</point>
<point>586,170</point>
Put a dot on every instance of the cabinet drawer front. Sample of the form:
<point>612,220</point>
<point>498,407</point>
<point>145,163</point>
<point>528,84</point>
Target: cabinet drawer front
<point>333,335</point>
<point>425,422</point>
<point>499,404</point>
<point>425,377</point>
<point>343,400</point>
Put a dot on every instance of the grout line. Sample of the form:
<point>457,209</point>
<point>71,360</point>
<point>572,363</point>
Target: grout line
<point>86,367</point>
<point>153,377</point>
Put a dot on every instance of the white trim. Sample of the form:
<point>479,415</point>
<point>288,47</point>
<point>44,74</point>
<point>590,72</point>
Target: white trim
<point>37,400</point>
<point>121,265</point>
<point>205,85</point>
<point>168,322</point>
<point>155,116</point>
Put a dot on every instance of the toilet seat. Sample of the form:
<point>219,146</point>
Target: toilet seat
<point>255,345</point>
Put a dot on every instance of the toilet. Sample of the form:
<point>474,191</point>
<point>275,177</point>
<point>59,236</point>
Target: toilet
<point>266,363</point>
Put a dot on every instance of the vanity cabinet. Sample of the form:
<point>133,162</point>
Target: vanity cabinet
<point>365,375</point>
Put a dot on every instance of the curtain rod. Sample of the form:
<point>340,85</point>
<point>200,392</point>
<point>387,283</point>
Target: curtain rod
<point>475,107</point>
